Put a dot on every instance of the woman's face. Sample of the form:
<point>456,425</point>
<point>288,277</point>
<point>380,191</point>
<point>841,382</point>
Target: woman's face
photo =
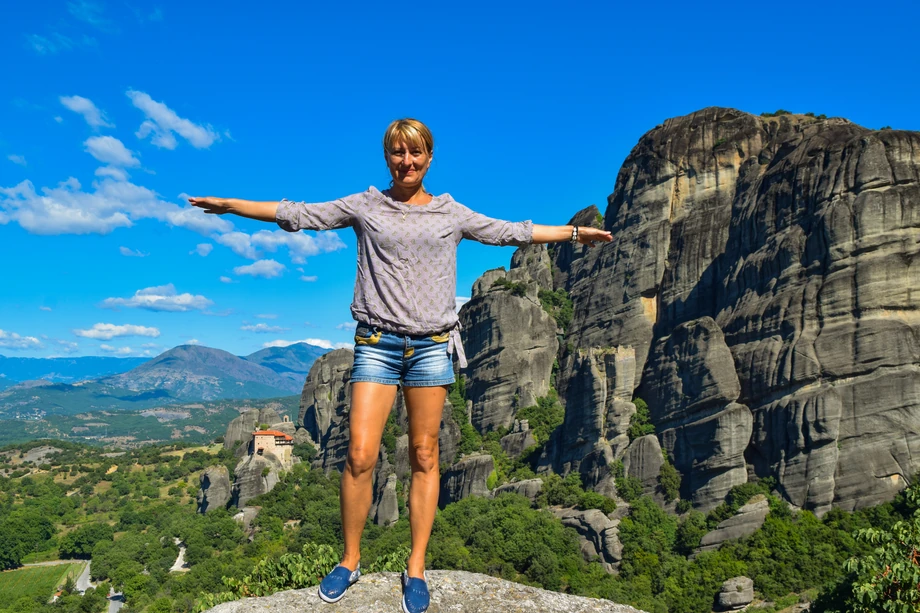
<point>408,164</point>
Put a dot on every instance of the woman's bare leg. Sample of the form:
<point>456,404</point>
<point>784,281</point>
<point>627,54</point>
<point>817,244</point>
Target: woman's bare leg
<point>424,405</point>
<point>370,407</point>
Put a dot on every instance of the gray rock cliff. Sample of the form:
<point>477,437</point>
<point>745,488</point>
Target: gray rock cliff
<point>214,492</point>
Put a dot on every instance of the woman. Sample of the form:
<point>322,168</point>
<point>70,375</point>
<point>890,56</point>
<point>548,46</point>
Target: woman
<point>404,304</point>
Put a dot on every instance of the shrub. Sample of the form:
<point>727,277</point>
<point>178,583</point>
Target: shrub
<point>518,289</point>
<point>543,417</point>
<point>559,305</point>
<point>640,424</point>
<point>669,480</point>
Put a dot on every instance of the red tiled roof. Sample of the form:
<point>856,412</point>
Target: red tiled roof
<point>286,437</point>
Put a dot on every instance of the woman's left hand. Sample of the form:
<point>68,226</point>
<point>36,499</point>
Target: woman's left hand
<point>589,236</point>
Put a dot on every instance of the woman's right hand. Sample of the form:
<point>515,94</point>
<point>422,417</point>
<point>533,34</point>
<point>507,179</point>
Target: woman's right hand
<point>212,205</point>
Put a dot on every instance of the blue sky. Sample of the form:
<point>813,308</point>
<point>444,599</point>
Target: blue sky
<point>113,110</point>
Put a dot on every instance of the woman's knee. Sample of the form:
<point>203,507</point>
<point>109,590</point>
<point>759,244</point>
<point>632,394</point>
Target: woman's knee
<point>360,460</point>
<point>424,456</point>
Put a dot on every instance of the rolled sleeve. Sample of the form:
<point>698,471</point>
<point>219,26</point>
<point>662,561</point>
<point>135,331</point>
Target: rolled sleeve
<point>294,216</point>
<point>490,231</point>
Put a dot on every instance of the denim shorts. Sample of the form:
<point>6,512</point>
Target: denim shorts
<point>392,359</point>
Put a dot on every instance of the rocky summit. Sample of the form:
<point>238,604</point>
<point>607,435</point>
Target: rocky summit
<point>758,294</point>
<point>457,591</point>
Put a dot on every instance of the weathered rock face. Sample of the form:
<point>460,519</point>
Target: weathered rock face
<point>643,460</point>
<point>214,492</point>
<point>692,387</point>
<point>745,522</point>
<point>736,593</point>
<point>458,591</point>
<point>529,488</point>
<point>596,385</point>
<point>387,511</point>
<point>780,249</point>
<point>599,535</point>
<point>324,405</point>
<point>241,428</point>
<point>520,438</point>
<point>510,341</point>
<point>254,475</point>
<point>466,478</point>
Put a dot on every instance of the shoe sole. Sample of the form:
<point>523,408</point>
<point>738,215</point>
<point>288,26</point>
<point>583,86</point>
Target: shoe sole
<point>325,598</point>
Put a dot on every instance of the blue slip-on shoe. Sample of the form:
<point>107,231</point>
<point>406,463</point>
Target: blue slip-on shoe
<point>334,585</point>
<point>415,594</point>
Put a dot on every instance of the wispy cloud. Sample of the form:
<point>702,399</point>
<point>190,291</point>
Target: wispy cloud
<point>160,298</point>
<point>163,124</point>
<point>67,209</point>
<point>91,113</point>
<point>67,346</point>
<point>226,280</point>
<point>202,249</point>
<point>49,45</point>
<point>299,244</point>
<point>91,13</point>
<point>317,342</point>
<point>348,325</point>
<point>131,253</point>
<point>461,300</point>
<point>110,150</point>
<point>17,159</point>
<point>262,328</point>
<point>193,341</point>
<point>308,278</point>
<point>267,316</point>
<point>267,269</point>
<point>11,340</point>
<point>107,332</point>
<point>118,174</point>
<point>45,308</point>
<point>116,350</point>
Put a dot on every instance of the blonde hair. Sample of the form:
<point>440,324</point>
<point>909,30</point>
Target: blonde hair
<point>412,131</point>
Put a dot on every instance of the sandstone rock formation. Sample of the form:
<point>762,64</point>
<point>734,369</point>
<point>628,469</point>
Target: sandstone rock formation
<point>324,404</point>
<point>520,438</point>
<point>466,478</point>
<point>254,475</point>
<point>214,492</point>
<point>457,591</point>
<point>736,593</point>
<point>774,256</point>
<point>598,534</point>
<point>643,461</point>
<point>241,428</point>
<point>528,488</point>
<point>745,522</point>
<point>510,340</point>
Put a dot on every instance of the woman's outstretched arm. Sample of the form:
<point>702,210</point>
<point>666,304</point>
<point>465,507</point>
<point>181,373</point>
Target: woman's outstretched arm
<point>263,211</point>
<point>559,234</point>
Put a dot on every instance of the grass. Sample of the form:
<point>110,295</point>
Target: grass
<point>35,581</point>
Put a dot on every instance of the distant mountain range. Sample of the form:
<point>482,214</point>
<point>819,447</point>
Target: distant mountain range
<point>38,387</point>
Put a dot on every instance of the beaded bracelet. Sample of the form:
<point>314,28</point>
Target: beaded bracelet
<point>574,234</point>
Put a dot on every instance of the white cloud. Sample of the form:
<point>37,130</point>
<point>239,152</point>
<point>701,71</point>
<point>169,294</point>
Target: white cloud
<point>17,159</point>
<point>268,269</point>
<point>44,308</point>
<point>193,341</point>
<point>460,301</point>
<point>49,46</point>
<point>163,123</point>
<point>299,244</point>
<point>267,316</point>
<point>84,106</point>
<point>107,332</point>
<point>11,340</point>
<point>67,209</point>
<point>118,174</point>
<point>161,298</point>
<point>227,280</point>
<point>263,328</point>
<point>202,249</point>
<point>59,119</point>
<point>110,150</point>
<point>239,242</point>
<point>116,350</point>
<point>308,278</point>
<point>317,342</point>
<point>91,13</point>
<point>68,346</point>
<point>131,253</point>
<point>348,325</point>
